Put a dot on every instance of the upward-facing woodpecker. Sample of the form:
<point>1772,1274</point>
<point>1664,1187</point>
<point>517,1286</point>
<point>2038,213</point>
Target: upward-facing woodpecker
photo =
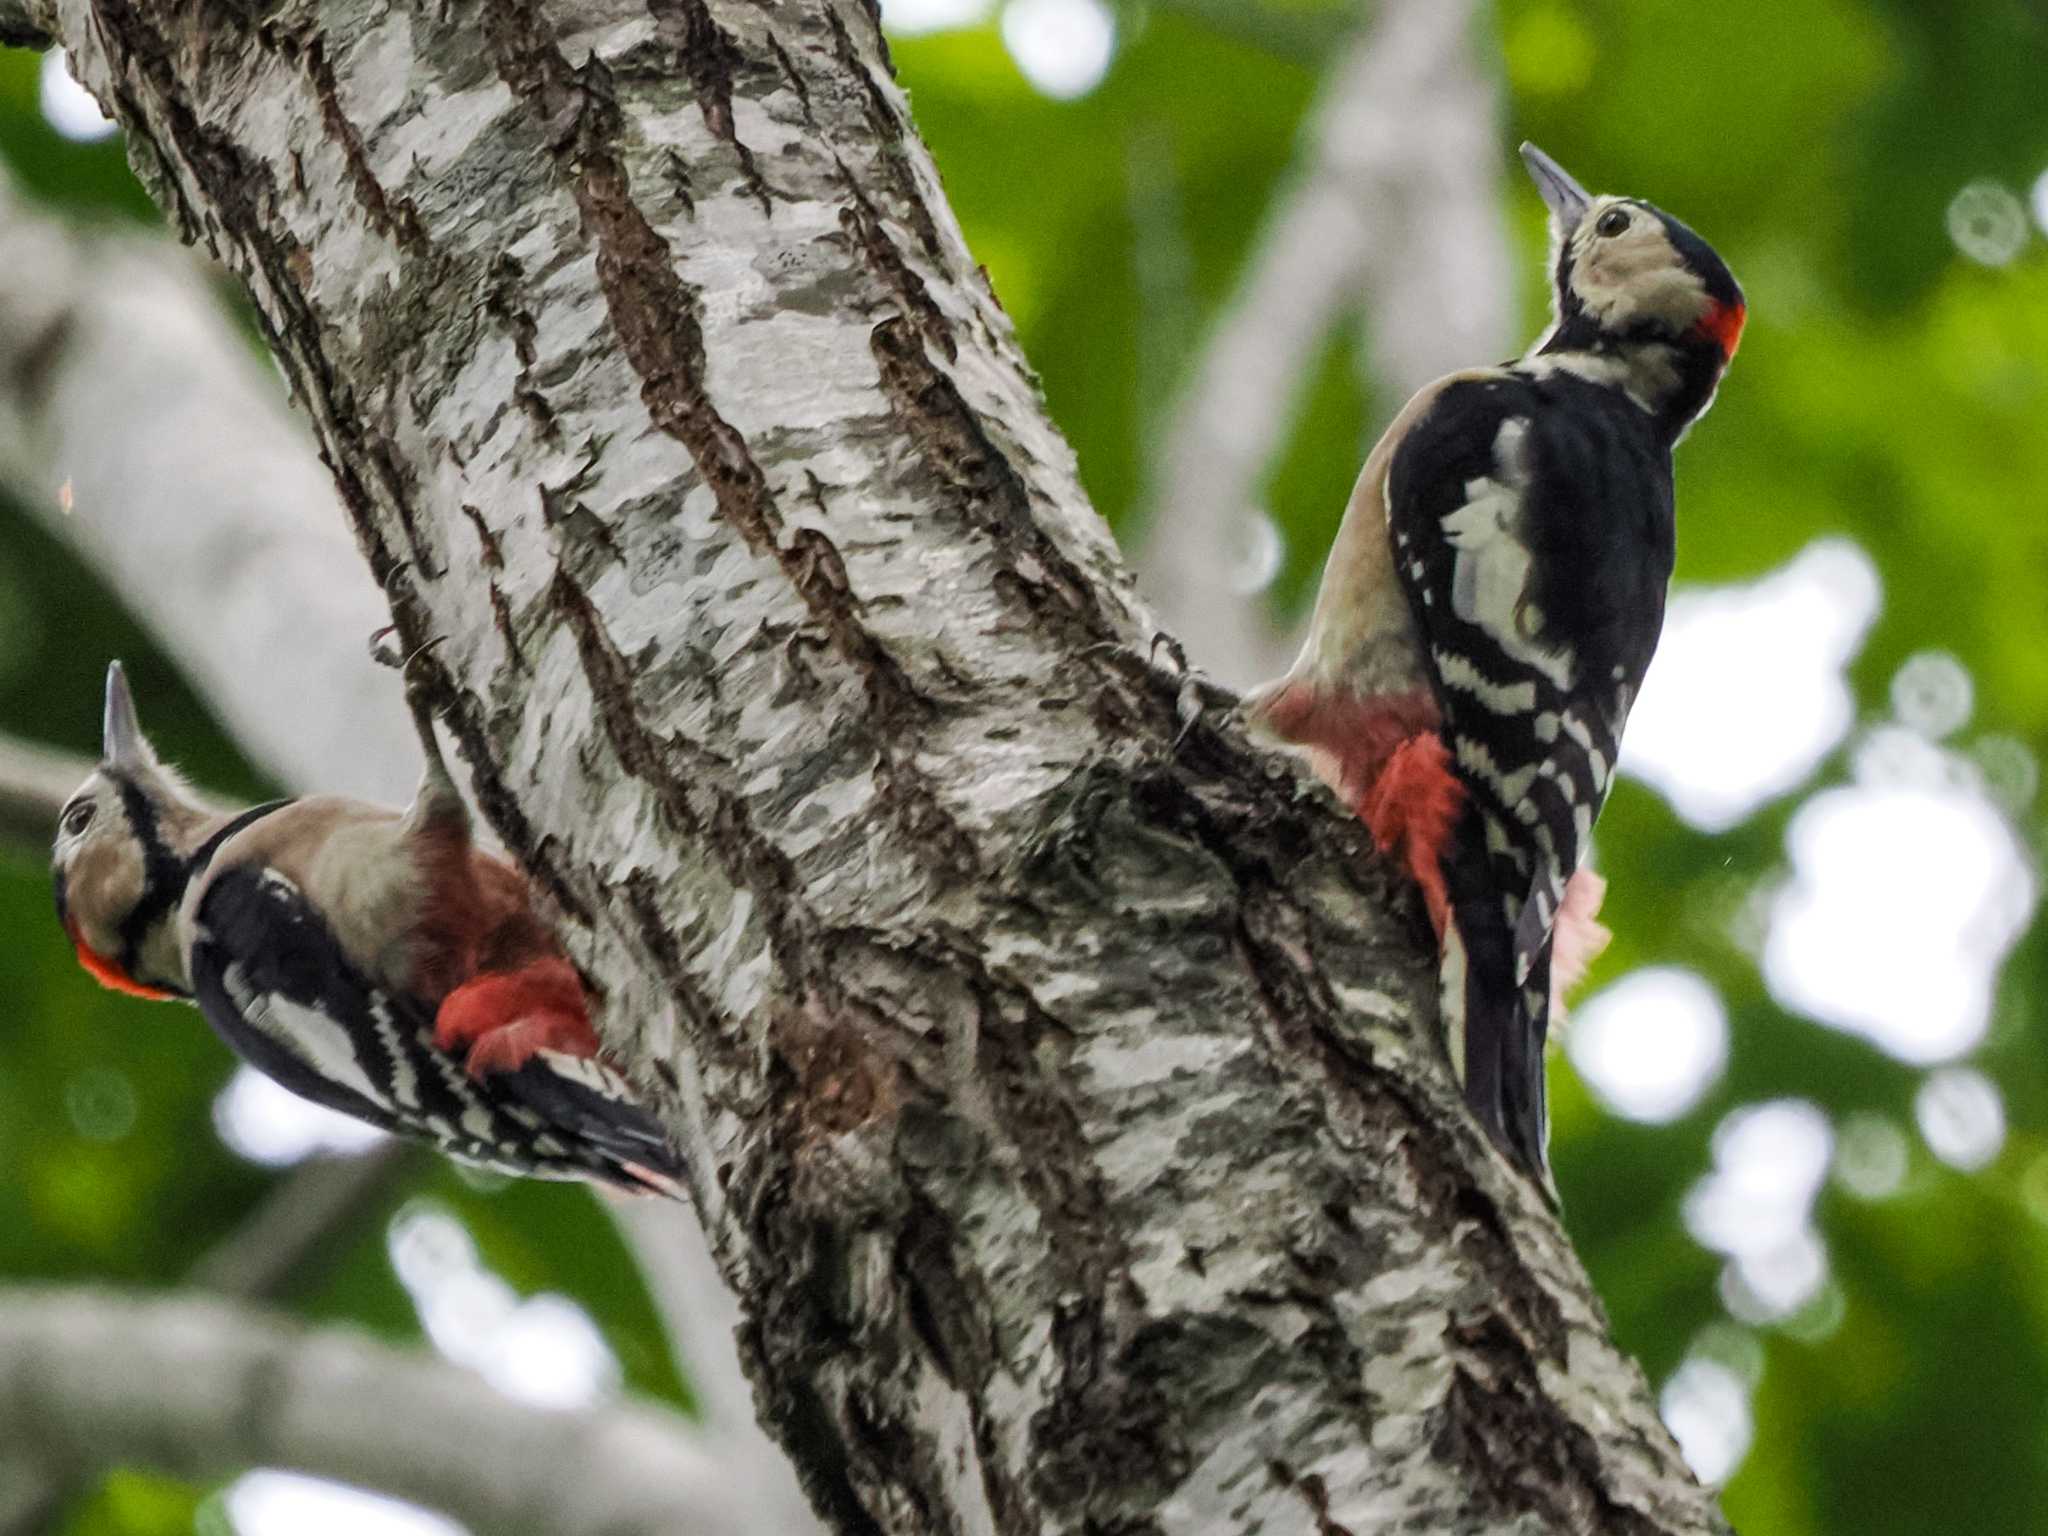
<point>1488,611</point>
<point>373,961</point>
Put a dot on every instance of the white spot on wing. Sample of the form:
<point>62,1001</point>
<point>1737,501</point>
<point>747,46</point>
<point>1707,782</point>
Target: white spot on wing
<point>405,1082</point>
<point>324,1044</point>
<point>1508,788</point>
<point>1502,698</point>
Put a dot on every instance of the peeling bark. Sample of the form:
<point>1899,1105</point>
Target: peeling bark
<point>1060,1101</point>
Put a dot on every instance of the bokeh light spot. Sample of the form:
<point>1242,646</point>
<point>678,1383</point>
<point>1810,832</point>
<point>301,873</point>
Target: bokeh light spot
<point>1256,554</point>
<point>1961,1117</point>
<point>1651,1044</point>
<point>68,106</point>
<point>101,1103</point>
<point>1987,223</point>
<point>1932,694</point>
<point>1871,1157</point>
<point>269,1503</point>
<point>544,1350</point>
<point>1549,51</point>
<point>1062,46</point>
<point>1706,1407</point>
<point>1756,1206</point>
<point>1746,693</point>
<point>269,1124</point>
<point>1905,896</point>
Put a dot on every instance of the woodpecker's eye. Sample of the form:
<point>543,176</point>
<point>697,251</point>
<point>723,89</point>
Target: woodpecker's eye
<point>78,817</point>
<point>1612,222</point>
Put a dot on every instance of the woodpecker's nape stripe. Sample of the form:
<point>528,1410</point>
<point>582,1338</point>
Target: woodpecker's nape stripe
<point>372,961</point>
<point>1488,612</point>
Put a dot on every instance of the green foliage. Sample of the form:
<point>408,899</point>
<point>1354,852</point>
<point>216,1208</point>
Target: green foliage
<point>1889,389</point>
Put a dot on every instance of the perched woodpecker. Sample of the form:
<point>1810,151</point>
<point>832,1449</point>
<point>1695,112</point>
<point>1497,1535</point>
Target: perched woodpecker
<point>373,961</point>
<point>1488,610</point>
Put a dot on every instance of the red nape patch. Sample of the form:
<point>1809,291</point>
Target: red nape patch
<point>1411,810</point>
<point>504,1017</point>
<point>110,975</point>
<point>1722,324</point>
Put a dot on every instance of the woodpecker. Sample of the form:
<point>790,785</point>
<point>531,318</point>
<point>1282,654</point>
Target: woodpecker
<point>1488,610</point>
<point>371,960</point>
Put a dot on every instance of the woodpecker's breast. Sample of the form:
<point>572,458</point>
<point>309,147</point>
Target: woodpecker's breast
<point>352,862</point>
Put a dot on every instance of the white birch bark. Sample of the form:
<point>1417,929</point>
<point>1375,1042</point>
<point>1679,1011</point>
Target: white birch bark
<point>1060,1102</point>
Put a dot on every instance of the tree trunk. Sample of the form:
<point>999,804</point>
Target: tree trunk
<point>1059,1091</point>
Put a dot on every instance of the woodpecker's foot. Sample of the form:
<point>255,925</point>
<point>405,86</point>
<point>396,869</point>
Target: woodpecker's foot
<point>1174,650</point>
<point>1190,697</point>
<point>504,1017</point>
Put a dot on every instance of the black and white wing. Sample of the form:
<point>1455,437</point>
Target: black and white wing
<point>277,986</point>
<point>1532,527</point>
<point>1531,521</point>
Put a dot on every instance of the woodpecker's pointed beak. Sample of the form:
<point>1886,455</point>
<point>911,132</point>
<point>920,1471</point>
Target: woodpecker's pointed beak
<point>121,742</point>
<point>1564,197</point>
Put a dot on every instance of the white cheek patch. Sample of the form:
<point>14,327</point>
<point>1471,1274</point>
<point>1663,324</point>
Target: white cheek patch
<point>1636,275</point>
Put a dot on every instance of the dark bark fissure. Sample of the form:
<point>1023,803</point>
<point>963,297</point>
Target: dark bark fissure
<point>654,314</point>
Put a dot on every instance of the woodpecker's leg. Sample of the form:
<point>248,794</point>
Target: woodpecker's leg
<point>438,800</point>
<point>504,1017</point>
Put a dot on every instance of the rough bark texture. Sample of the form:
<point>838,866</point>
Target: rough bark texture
<point>1060,1100</point>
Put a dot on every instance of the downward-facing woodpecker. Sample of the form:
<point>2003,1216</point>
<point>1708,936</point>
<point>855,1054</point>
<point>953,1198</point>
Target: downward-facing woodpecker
<point>1489,608</point>
<point>373,961</point>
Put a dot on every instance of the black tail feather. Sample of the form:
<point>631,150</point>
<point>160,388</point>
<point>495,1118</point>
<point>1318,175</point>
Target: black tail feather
<point>1501,1028</point>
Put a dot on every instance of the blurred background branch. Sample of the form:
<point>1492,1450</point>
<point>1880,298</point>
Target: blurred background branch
<point>172,465</point>
<point>314,1210</point>
<point>1394,212</point>
<point>200,1387</point>
<point>156,441</point>
<point>34,782</point>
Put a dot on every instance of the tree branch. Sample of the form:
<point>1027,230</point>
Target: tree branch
<point>198,1388</point>
<point>312,1213</point>
<point>183,473</point>
<point>1397,212</point>
<point>703,1319</point>
<point>35,781</point>
<point>1062,1103</point>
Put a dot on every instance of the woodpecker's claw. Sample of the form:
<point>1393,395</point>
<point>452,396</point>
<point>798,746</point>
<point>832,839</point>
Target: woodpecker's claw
<point>1173,648</point>
<point>386,654</point>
